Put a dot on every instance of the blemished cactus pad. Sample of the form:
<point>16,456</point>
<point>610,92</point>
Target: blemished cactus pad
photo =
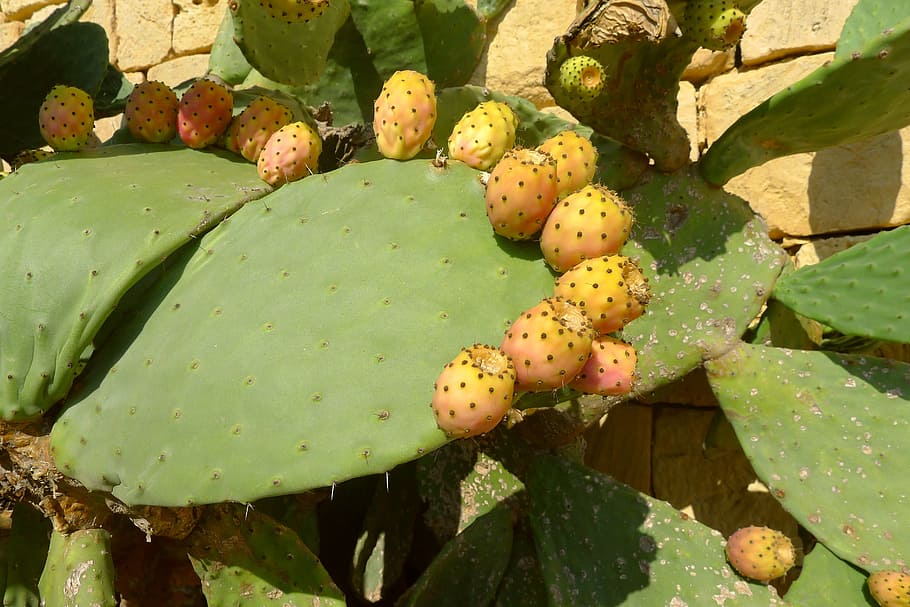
<point>311,327</point>
<point>78,233</point>
<point>864,290</point>
<point>710,265</point>
<point>603,543</point>
<point>824,424</point>
<point>79,570</point>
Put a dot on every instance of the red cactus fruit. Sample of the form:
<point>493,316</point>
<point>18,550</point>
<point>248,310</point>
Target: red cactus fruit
<point>151,112</point>
<point>66,118</point>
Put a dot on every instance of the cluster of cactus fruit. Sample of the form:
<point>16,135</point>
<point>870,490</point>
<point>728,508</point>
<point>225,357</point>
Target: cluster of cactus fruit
<point>481,207</point>
<point>264,133</point>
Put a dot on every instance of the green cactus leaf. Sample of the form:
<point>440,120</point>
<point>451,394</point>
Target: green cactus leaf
<point>468,569</point>
<point>75,55</point>
<point>454,38</point>
<point>862,291</point>
<point>602,543</point>
<point>79,570</point>
<point>522,583</point>
<point>291,53</point>
<point>64,15</point>
<point>226,60</point>
<point>246,558</point>
<point>825,433</point>
<point>868,19</point>
<point>490,9</point>
<point>112,215</point>
<point>827,580</point>
<point>864,96</point>
<point>348,292</point>
<point>110,96</point>
<point>392,33</point>
<point>388,530</point>
<point>26,551</point>
<point>711,267</point>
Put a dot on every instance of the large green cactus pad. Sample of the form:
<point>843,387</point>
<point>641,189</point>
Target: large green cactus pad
<point>603,543</point>
<point>821,424</point>
<point>300,343</point>
<point>711,266</point>
<point>827,580</point>
<point>863,291</point>
<point>79,570</point>
<point>864,94</point>
<point>78,231</point>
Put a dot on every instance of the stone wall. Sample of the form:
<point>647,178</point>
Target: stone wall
<point>806,198</point>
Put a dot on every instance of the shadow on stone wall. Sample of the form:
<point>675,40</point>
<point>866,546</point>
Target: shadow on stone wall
<point>856,186</point>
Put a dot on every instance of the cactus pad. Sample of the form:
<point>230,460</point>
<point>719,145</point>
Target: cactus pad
<point>77,233</point>
<point>863,291</point>
<point>319,318</point>
<point>79,570</point>
<point>816,423</point>
<point>602,543</point>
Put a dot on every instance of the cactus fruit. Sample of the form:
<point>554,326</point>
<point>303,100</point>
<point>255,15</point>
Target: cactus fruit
<point>27,156</point>
<point>294,11</point>
<point>611,369</point>
<point>254,126</point>
<point>890,588</point>
<point>66,118</point>
<point>229,139</point>
<point>521,193</point>
<point>151,112</point>
<point>204,113</point>
<point>610,290</point>
<point>549,344</point>
<point>483,135</point>
<point>291,153</point>
<point>760,553</point>
<point>582,78</point>
<point>589,223</point>
<point>715,24</point>
<point>576,160</point>
<point>404,114</point>
<point>474,391</point>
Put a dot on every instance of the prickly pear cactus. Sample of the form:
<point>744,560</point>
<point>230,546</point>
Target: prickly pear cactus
<point>349,292</point>
<point>79,570</point>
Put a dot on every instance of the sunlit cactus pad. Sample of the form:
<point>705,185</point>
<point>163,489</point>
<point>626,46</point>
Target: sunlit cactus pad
<point>300,343</point>
<point>822,424</point>
<point>76,232</point>
<point>602,543</point>
<point>711,266</point>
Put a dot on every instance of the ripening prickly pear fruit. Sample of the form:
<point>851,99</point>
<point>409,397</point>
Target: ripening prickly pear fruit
<point>481,137</point>
<point>291,153</point>
<point>29,156</point>
<point>890,588</point>
<point>294,11</point>
<point>549,344</point>
<point>715,24</point>
<point>151,112</point>
<point>521,192</point>
<point>760,553</point>
<point>576,161</point>
<point>610,290</point>
<point>228,139</point>
<point>611,369</point>
<point>404,114</point>
<point>66,118</point>
<point>255,124</point>
<point>474,391</point>
<point>204,113</point>
<point>589,223</point>
<point>582,79</point>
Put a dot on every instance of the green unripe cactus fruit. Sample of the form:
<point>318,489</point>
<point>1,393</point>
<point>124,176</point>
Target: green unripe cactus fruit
<point>760,553</point>
<point>294,11</point>
<point>890,588</point>
<point>715,24</point>
<point>582,77</point>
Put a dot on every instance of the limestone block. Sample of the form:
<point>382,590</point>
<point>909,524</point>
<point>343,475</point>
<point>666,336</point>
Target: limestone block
<point>9,33</point>
<point>195,24</point>
<point>848,188</point>
<point>687,114</point>
<point>23,9</point>
<point>706,63</point>
<point>777,28</point>
<point>515,59</point>
<point>178,70</point>
<point>105,127</point>
<point>102,13</point>
<point>40,15</point>
<point>144,32</point>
